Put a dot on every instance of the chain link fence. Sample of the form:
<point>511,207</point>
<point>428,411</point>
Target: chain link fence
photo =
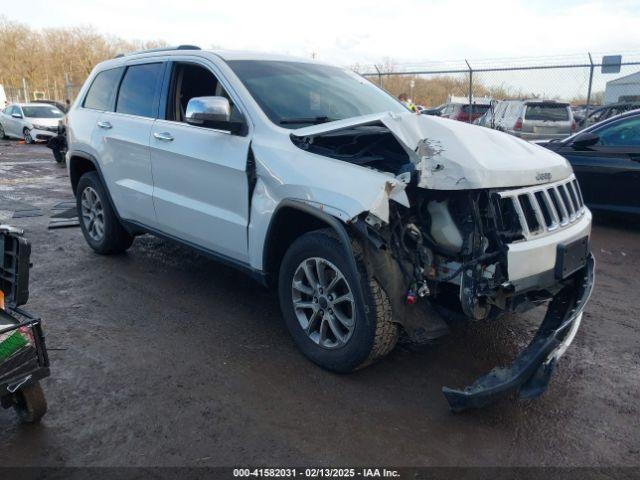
<point>579,80</point>
<point>26,91</point>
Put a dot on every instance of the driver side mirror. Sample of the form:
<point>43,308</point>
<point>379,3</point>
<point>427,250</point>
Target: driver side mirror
<point>585,140</point>
<point>212,112</point>
<point>16,115</point>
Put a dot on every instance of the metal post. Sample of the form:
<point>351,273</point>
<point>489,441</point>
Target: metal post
<point>379,77</point>
<point>586,112</point>
<point>470,91</point>
<point>67,85</point>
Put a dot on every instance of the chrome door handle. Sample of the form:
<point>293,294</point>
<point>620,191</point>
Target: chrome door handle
<point>165,136</point>
<point>105,125</point>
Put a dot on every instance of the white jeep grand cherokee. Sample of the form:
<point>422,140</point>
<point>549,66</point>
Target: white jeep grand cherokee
<point>372,221</point>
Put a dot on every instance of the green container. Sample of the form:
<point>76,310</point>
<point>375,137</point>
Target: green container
<point>10,345</point>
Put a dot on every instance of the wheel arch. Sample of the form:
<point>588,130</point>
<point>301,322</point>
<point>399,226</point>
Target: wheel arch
<point>80,163</point>
<point>290,220</point>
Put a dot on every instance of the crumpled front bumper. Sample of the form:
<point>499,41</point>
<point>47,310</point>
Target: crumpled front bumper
<point>530,372</point>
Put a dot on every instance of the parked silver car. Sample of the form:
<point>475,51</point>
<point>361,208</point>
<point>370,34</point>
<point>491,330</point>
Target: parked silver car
<point>534,119</point>
<point>32,122</point>
<point>369,220</point>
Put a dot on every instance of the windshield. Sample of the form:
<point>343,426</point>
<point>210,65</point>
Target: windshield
<point>547,111</point>
<point>42,111</point>
<point>294,94</point>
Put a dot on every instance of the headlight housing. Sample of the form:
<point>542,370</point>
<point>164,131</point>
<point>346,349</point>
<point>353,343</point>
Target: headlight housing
<point>39,127</point>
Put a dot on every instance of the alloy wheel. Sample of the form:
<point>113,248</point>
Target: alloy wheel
<point>323,302</point>
<point>92,214</point>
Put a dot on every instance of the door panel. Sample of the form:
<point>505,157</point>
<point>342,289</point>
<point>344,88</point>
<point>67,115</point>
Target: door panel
<point>126,165</point>
<point>608,177</point>
<point>12,122</point>
<point>200,186</point>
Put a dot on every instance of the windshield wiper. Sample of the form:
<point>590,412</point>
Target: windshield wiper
<point>309,120</point>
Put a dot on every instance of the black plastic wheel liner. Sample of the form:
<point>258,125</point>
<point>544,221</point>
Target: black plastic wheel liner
<point>531,370</point>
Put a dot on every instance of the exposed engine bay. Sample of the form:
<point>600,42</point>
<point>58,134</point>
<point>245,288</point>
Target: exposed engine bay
<point>372,146</point>
<point>449,249</point>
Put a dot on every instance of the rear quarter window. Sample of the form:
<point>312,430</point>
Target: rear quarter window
<point>547,111</point>
<point>103,89</point>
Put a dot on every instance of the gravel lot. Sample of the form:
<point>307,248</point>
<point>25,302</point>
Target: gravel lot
<point>163,357</point>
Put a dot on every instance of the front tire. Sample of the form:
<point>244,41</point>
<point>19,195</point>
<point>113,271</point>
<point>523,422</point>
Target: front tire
<point>28,139</point>
<point>100,226</point>
<point>323,311</point>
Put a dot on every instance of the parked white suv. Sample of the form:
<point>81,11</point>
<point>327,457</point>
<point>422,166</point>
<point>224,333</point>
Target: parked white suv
<point>534,119</point>
<point>373,222</point>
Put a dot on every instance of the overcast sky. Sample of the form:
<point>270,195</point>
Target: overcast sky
<point>363,31</point>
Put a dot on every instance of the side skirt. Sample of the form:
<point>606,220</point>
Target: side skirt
<point>257,275</point>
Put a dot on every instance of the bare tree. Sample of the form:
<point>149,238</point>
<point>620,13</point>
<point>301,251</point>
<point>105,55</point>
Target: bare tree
<point>50,58</point>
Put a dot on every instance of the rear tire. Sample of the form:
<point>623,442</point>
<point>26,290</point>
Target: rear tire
<point>100,226</point>
<point>3,135</point>
<point>373,334</point>
<point>30,403</point>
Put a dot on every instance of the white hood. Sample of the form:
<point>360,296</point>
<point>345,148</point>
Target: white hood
<point>452,155</point>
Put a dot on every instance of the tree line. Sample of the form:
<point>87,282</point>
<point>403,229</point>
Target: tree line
<point>55,61</point>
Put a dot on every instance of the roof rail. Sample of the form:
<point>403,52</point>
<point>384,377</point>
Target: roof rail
<point>160,49</point>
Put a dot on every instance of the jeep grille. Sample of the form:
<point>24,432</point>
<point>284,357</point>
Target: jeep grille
<point>541,209</point>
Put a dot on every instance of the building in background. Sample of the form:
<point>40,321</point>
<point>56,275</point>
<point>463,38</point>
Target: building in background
<point>623,89</point>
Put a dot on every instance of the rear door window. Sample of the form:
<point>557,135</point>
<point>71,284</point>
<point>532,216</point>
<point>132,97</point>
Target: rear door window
<point>547,111</point>
<point>139,90</point>
<point>102,91</point>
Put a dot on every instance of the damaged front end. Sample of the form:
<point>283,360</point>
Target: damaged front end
<point>444,261</point>
<point>530,372</point>
<point>441,236</point>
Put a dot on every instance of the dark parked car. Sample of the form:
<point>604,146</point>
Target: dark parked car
<point>606,160</point>
<point>600,114</point>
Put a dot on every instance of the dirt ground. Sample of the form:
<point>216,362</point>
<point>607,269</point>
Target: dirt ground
<point>163,357</point>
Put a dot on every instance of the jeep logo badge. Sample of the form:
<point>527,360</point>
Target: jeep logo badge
<point>543,176</point>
